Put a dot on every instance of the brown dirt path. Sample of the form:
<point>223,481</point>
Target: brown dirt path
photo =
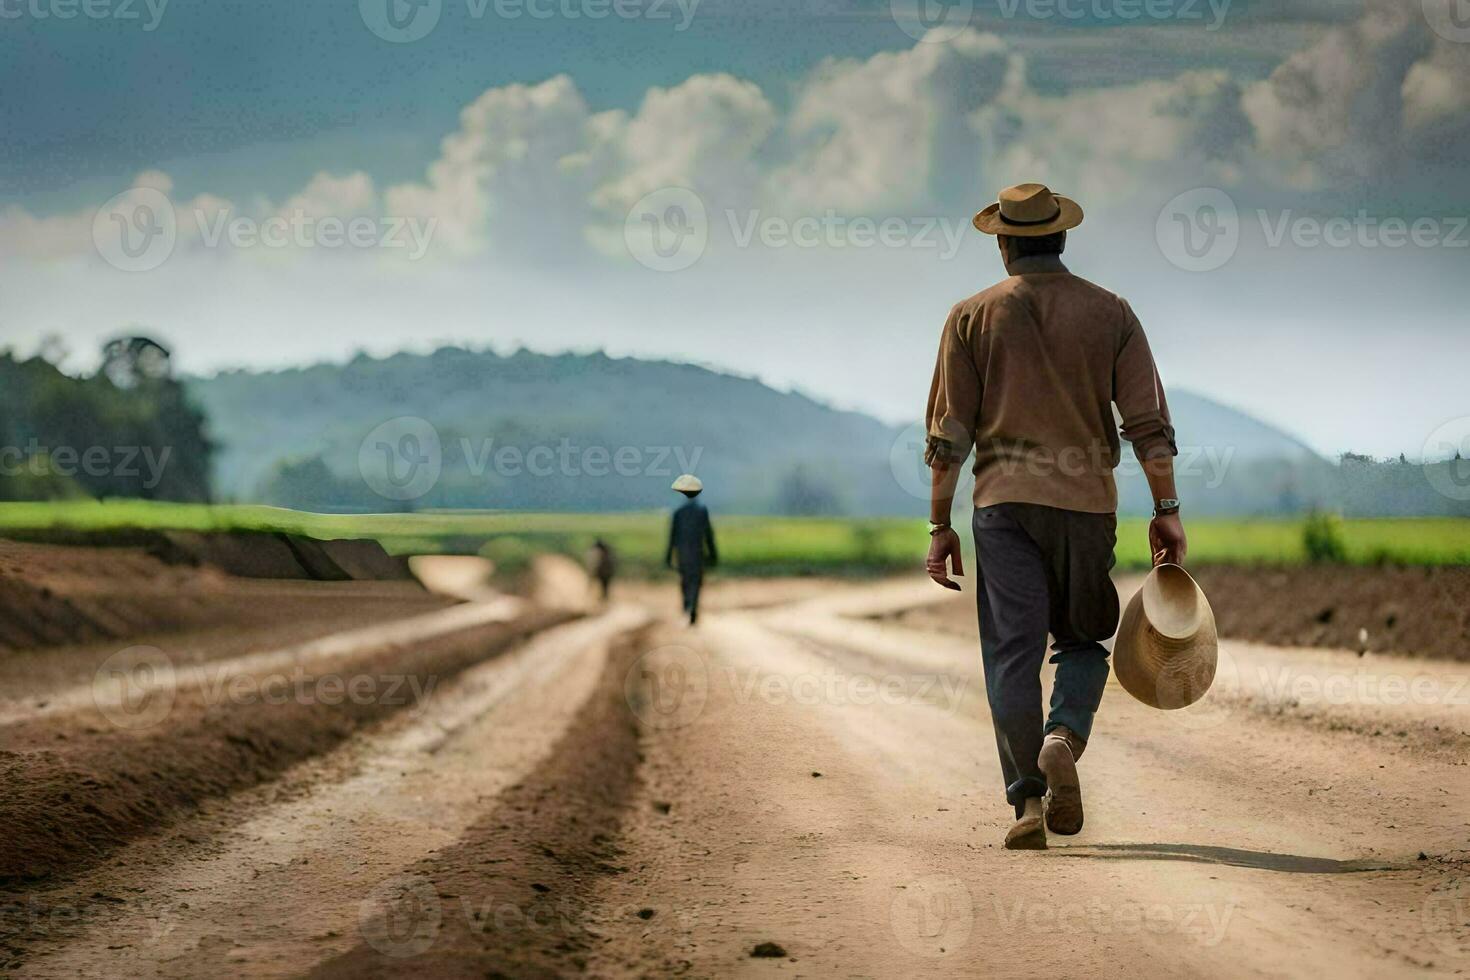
<point>1214,846</point>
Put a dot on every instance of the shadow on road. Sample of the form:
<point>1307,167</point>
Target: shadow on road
<point>1233,856</point>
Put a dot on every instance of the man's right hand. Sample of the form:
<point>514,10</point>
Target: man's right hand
<point>944,550</point>
<point>1166,540</point>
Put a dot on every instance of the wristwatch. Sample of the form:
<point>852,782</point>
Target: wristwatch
<point>1169,505</point>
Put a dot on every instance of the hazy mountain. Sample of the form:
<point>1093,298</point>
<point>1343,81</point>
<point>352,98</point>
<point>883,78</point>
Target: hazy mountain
<point>591,432</point>
<point>579,432</point>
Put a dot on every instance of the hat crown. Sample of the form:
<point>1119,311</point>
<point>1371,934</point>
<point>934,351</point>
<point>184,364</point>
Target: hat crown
<point>1029,211</point>
<point>1171,602</point>
<point>1167,649</point>
<point>1029,204</point>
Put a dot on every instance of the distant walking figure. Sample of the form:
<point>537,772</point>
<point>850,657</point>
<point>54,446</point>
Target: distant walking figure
<point>1027,375</point>
<point>602,564</point>
<point>693,539</point>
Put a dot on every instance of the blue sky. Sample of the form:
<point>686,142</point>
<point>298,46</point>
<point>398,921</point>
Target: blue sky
<point>526,141</point>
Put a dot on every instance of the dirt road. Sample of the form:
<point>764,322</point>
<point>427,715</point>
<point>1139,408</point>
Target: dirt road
<point>806,778</point>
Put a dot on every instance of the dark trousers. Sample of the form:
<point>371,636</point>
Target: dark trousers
<point>690,580</point>
<point>1042,570</point>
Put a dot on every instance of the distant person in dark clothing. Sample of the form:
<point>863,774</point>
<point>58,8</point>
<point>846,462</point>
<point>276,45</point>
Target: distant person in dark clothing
<point>693,539</point>
<point>602,564</point>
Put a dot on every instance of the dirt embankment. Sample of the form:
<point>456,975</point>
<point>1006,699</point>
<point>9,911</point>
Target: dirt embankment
<point>247,554</point>
<point>1417,612</point>
<point>52,594</point>
<point>1422,612</point>
<point>103,587</point>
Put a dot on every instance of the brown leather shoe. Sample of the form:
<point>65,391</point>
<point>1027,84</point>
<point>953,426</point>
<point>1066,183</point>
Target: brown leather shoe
<point>1058,762</point>
<point>1029,832</point>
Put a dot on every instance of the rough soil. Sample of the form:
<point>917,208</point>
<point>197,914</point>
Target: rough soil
<point>795,788</point>
<point>61,595</point>
<point>1411,612</point>
<point>1423,612</point>
<point>82,782</point>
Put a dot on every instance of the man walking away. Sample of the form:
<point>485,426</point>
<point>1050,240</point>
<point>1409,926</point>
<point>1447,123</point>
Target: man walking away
<point>1027,374</point>
<point>602,564</point>
<point>692,538</point>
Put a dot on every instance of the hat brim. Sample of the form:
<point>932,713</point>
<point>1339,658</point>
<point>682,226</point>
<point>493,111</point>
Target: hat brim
<point>1069,215</point>
<point>1160,672</point>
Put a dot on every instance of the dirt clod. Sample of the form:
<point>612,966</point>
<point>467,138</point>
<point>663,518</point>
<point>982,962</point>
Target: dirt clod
<point>768,950</point>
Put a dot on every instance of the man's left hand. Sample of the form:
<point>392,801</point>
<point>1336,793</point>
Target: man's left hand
<point>1166,539</point>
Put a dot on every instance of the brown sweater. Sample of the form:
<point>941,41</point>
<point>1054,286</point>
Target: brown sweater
<point>1027,374</point>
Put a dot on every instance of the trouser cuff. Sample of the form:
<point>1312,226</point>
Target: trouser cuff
<point>1023,789</point>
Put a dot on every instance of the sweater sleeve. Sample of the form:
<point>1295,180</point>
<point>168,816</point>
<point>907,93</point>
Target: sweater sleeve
<point>1139,394</point>
<point>954,396</point>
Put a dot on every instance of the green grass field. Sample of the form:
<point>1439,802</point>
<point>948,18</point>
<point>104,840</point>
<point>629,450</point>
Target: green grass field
<point>748,545</point>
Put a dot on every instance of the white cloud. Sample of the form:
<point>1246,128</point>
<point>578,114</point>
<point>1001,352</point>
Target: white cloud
<point>1106,144</point>
<point>1437,89</point>
<point>329,195</point>
<point>703,134</point>
<point>505,172</point>
<point>1361,102</point>
<point>893,132</point>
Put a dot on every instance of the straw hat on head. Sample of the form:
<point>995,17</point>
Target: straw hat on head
<point>1166,648</point>
<point>688,483</point>
<point>1029,211</point>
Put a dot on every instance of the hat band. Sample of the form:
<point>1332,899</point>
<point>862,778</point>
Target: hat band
<point>1040,221</point>
<point>1170,644</point>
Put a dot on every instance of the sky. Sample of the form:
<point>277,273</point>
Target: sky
<point>775,189</point>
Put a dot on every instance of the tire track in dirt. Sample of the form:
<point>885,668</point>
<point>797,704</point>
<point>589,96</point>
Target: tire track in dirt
<point>81,784</point>
<point>512,897</point>
<point>287,875</point>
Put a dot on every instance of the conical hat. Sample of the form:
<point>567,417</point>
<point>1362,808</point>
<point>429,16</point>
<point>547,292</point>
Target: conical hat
<point>1166,648</point>
<point>688,483</point>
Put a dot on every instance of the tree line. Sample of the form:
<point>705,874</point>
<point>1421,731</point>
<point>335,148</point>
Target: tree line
<point>128,430</point>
